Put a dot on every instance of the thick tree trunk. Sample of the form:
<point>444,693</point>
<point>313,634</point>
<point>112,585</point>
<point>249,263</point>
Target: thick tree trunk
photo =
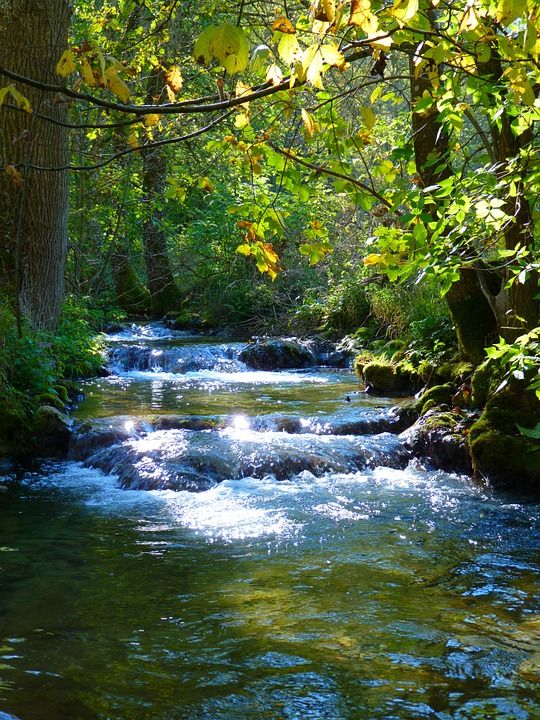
<point>34,203</point>
<point>469,308</point>
<point>521,308</point>
<point>164,294</point>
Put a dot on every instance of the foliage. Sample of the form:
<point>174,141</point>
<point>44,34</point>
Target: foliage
<point>34,367</point>
<point>519,360</point>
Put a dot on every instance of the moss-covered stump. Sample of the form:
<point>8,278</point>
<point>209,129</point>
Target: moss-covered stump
<point>384,378</point>
<point>440,436</point>
<point>500,452</point>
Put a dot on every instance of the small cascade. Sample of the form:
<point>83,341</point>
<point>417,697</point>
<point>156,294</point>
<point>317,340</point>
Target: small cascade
<point>160,357</point>
<point>198,459</point>
<point>207,416</point>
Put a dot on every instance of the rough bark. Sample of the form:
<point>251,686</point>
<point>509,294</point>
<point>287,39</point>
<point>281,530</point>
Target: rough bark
<point>34,203</point>
<point>521,309</point>
<point>164,295</point>
<point>469,308</point>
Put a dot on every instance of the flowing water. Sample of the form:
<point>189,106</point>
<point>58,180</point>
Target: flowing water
<point>316,574</point>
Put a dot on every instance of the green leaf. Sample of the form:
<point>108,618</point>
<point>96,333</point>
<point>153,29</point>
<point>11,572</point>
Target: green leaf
<point>533,433</point>
<point>229,45</point>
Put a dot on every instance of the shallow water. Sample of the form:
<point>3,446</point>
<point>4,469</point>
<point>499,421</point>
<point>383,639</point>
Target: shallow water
<point>379,593</point>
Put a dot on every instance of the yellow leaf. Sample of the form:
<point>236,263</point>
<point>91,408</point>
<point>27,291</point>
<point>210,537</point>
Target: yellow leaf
<point>201,52</point>
<point>66,64</point>
<point>173,78</point>
<point>288,49</point>
<point>205,184</point>
<point>244,249</point>
<point>332,56</point>
<point>362,17</point>
<point>325,11</point>
<point>242,89</point>
<point>20,99</point>
<point>117,86</point>
<point>170,95</point>
<point>229,45</point>
<point>241,121</point>
<point>282,24</point>
<point>133,141</point>
<point>87,72</point>
<point>380,41</point>
<point>274,75</point>
<point>373,259</point>
<point>309,123</point>
<point>312,67</point>
<point>152,119</point>
<point>404,10</point>
<point>509,10</point>
<point>368,116</point>
<point>469,20</point>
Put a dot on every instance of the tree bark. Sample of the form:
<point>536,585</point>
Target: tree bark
<point>164,295</point>
<point>469,308</point>
<point>521,308</point>
<point>34,203</point>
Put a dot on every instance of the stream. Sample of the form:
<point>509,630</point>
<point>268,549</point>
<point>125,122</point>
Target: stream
<point>230,544</point>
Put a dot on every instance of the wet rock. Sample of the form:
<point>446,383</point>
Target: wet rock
<point>196,460</point>
<point>101,433</point>
<point>185,422</point>
<point>439,436</point>
<point>278,354</point>
<point>52,430</point>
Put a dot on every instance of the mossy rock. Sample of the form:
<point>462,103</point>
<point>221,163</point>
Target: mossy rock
<point>499,451</point>
<point>436,395</point>
<point>485,380</point>
<point>507,461</point>
<point>278,354</point>
<point>383,378</point>
<point>440,436</point>
<point>51,430</point>
<point>361,360</point>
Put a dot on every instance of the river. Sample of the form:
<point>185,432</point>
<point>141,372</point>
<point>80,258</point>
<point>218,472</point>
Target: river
<point>317,574</point>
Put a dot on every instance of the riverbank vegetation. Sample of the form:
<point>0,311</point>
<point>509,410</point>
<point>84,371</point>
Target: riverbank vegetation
<point>358,170</point>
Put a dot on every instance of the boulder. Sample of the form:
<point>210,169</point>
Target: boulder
<point>51,430</point>
<point>503,442</point>
<point>384,378</point>
<point>440,436</point>
<point>278,354</point>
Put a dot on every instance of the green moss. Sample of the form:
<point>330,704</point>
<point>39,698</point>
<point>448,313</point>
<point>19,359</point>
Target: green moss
<point>131,295</point>
<point>504,459</point>
<point>437,395</point>
<point>383,377</point>
<point>498,450</point>
<point>485,380</point>
<point>361,360</point>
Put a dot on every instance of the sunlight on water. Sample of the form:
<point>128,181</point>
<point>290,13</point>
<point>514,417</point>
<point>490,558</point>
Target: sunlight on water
<point>335,593</point>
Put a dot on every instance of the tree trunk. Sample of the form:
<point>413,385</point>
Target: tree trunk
<point>469,308</point>
<point>34,203</point>
<point>164,295</point>
<point>521,308</point>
